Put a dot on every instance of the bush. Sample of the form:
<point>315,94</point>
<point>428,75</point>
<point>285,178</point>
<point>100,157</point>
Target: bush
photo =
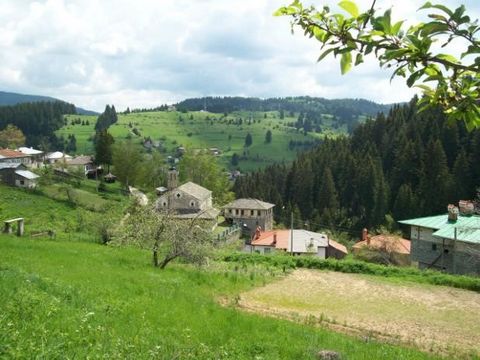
<point>358,267</point>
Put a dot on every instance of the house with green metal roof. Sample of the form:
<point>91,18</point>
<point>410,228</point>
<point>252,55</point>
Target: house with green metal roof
<point>445,242</point>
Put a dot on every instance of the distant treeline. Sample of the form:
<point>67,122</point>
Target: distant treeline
<point>404,164</point>
<point>342,108</point>
<point>38,120</point>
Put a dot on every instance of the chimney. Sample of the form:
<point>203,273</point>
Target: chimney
<point>452,213</point>
<point>172,181</point>
<point>466,207</point>
<point>365,236</point>
<point>274,238</point>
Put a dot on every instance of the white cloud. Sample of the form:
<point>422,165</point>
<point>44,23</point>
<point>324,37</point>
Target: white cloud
<point>144,53</point>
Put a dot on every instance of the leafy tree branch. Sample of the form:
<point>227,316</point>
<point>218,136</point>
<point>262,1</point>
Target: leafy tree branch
<point>450,82</point>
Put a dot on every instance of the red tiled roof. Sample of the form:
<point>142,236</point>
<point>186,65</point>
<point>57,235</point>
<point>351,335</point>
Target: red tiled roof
<point>390,243</point>
<point>8,153</point>
<point>337,246</point>
<point>267,239</point>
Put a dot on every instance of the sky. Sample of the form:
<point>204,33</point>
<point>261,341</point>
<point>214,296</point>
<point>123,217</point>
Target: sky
<point>146,53</point>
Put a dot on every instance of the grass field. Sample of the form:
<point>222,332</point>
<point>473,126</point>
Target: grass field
<point>78,300</point>
<point>48,209</point>
<point>434,318</point>
<point>203,130</point>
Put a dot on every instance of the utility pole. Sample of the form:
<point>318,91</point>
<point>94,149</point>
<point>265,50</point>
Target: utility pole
<point>454,249</point>
<point>291,233</point>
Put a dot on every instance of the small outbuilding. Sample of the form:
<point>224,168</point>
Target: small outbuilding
<point>16,174</point>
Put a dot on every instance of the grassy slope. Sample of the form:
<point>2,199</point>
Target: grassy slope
<point>64,299</point>
<point>204,134</point>
<point>49,210</point>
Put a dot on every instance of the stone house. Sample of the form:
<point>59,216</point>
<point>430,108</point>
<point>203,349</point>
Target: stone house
<point>250,214</point>
<point>187,201</point>
<point>448,242</point>
<point>297,242</point>
<point>17,174</point>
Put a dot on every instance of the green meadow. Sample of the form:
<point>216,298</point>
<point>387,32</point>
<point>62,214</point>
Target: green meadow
<point>204,130</point>
<point>64,299</point>
<point>71,297</point>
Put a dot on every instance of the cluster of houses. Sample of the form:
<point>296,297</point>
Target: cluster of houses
<point>254,217</point>
<point>16,165</point>
<point>449,242</point>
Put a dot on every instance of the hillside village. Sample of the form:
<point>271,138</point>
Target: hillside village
<point>447,242</point>
<point>192,208</point>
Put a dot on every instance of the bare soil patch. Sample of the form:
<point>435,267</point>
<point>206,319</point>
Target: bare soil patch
<point>434,318</point>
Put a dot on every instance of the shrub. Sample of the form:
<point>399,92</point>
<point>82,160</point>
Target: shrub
<point>358,267</point>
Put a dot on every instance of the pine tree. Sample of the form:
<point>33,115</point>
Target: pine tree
<point>463,188</point>
<point>103,148</point>
<point>406,204</point>
<point>248,140</point>
<point>436,180</point>
<point>327,197</point>
<point>268,137</point>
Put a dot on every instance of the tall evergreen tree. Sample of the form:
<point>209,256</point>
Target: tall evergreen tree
<point>268,136</point>
<point>436,181</point>
<point>327,197</point>
<point>462,177</point>
<point>248,140</point>
<point>103,148</point>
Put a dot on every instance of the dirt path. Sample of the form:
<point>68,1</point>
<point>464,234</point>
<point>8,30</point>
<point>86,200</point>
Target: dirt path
<point>434,318</point>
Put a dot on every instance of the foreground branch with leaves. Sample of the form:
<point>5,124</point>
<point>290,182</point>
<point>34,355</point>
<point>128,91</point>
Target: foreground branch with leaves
<point>411,52</point>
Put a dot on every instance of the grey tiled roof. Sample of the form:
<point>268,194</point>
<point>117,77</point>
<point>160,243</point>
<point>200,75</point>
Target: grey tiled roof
<point>254,204</point>
<point>195,190</point>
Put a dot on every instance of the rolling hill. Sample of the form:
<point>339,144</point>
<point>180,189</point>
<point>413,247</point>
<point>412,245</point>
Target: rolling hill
<point>9,98</point>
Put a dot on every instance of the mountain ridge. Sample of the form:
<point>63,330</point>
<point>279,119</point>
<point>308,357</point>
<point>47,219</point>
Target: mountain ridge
<point>11,98</point>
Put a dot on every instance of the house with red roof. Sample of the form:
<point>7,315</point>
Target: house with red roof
<point>13,156</point>
<point>395,248</point>
<point>297,242</point>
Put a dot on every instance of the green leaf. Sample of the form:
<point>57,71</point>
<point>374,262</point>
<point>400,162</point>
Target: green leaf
<point>319,33</point>
<point>428,5</point>
<point>325,53</point>
<point>447,57</point>
<point>346,62</point>
<point>396,28</point>
<point>358,59</point>
<point>281,11</point>
<point>350,7</point>
<point>414,77</point>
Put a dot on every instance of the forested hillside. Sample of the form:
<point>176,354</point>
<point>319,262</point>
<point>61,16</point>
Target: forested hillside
<point>405,164</point>
<point>9,98</point>
<point>37,120</point>
<point>344,109</point>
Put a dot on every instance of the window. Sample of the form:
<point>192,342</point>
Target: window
<point>252,212</point>
<point>267,250</point>
<point>242,212</point>
<point>164,204</point>
<point>236,211</point>
<point>22,182</point>
<point>179,195</point>
<point>192,203</point>
<point>434,247</point>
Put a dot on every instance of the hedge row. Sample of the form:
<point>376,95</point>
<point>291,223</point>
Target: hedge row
<point>358,267</point>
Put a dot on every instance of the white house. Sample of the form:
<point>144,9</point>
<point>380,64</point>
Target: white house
<point>297,242</point>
